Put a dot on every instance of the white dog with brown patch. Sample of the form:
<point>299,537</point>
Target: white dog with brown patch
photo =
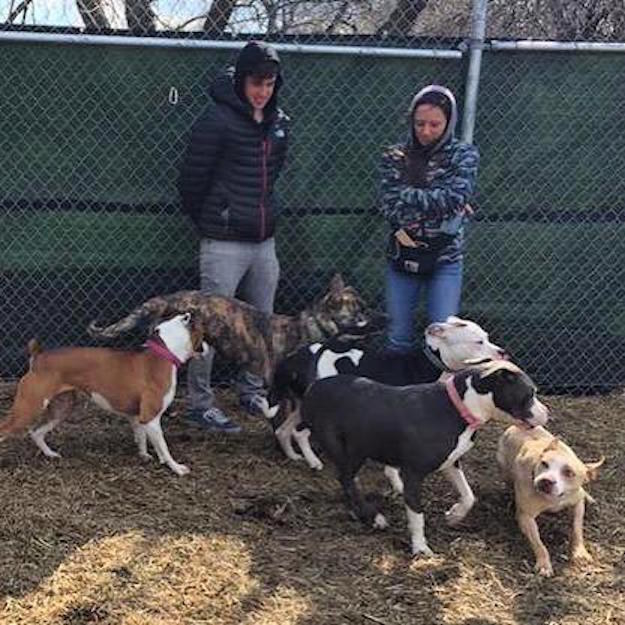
<point>138,384</point>
<point>547,477</point>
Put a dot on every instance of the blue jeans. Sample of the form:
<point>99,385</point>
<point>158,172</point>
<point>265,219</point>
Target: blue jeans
<point>403,292</point>
<point>250,271</point>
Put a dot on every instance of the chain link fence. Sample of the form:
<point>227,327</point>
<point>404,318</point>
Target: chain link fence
<point>92,133</point>
<point>545,256</point>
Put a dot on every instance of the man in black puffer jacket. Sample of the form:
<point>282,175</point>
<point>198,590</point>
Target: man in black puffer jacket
<point>235,154</point>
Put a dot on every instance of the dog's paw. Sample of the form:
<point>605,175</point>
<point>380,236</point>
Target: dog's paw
<point>455,515</point>
<point>180,469</point>
<point>423,550</point>
<point>316,465</point>
<point>580,555</point>
<point>270,411</point>
<point>52,454</point>
<point>293,455</point>
<point>392,474</point>
<point>380,522</point>
<point>145,456</point>
<point>544,568</point>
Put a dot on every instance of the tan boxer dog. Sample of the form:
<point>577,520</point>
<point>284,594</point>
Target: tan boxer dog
<point>547,477</point>
<point>138,384</point>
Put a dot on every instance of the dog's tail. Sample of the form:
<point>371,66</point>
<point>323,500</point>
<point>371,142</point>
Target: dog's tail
<point>123,325</point>
<point>34,349</point>
<point>156,307</point>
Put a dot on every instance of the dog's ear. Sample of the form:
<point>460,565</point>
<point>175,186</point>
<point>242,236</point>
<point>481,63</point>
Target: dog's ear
<point>197,333</point>
<point>456,321</point>
<point>592,468</point>
<point>195,318</point>
<point>553,444</point>
<point>435,329</point>
<point>337,284</point>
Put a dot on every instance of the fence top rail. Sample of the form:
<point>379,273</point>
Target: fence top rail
<point>554,46</point>
<point>144,42</point>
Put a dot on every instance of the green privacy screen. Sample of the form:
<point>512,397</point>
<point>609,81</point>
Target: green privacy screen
<point>90,222</point>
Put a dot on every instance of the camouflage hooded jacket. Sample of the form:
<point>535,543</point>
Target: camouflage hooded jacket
<point>439,206</point>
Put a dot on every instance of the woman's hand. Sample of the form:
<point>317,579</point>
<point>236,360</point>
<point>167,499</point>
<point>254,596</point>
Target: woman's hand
<point>404,238</point>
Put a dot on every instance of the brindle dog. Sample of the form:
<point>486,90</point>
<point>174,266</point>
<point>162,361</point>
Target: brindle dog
<point>246,336</point>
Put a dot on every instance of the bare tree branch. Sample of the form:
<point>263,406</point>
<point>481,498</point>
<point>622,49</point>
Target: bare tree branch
<point>140,17</point>
<point>338,17</point>
<point>587,20</point>
<point>271,10</point>
<point>92,14</point>
<point>219,16</point>
<point>22,7</point>
<point>402,18</point>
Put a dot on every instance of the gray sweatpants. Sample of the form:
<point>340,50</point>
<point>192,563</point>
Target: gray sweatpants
<point>249,271</point>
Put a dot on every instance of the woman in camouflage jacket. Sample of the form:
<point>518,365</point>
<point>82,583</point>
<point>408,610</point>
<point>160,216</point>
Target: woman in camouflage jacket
<point>425,189</point>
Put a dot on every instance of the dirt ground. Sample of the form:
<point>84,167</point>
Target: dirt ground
<point>252,538</point>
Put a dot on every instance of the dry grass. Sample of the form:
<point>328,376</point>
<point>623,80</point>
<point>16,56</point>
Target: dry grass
<point>251,538</point>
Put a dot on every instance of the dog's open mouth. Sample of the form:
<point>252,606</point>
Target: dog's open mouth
<point>531,418</point>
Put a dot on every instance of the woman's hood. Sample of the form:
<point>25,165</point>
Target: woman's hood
<point>453,117</point>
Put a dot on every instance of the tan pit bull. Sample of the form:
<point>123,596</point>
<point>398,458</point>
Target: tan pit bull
<point>547,477</point>
<point>138,384</point>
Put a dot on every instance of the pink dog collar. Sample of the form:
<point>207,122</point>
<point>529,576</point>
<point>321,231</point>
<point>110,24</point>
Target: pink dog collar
<point>465,413</point>
<point>162,352</point>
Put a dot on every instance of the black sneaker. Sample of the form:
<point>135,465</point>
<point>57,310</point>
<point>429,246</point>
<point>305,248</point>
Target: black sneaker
<point>212,419</point>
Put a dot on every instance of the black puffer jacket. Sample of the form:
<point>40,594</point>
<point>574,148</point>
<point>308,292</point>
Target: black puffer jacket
<point>232,162</point>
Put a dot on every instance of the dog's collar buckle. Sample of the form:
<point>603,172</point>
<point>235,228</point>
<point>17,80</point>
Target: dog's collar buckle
<point>460,406</point>
<point>162,352</point>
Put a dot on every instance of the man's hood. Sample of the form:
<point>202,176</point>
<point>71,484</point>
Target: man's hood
<point>251,56</point>
<point>228,87</point>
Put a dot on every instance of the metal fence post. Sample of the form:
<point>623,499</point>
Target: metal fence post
<point>478,29</point>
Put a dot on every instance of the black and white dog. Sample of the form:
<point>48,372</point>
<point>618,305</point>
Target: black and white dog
<point>418,429</point>
<point>448,346</point>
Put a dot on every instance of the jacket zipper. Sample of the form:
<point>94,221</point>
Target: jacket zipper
<point>265,153</point>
